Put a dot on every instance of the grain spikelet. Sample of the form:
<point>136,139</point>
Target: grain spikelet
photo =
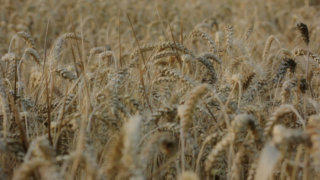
<point>175,45</point>
<point>200,34</point>
<point>268,46</point>
<point>131,140</point>
<point>113,164</point>
<point>210,56</point>
<point>252,170</point>
<point>66,74</point>
<point>11,60</point>
<point>249,31</point>
<point>144,48</point>
<point>32,52</point>
<point>286,90</point>
<point>98,50</point>
<point>28,39</point>
<point>283,136</point>
<point>34,79</point>
<point>229,36</point>
<point>303,52</point>
<point>236,166</point>
<point>267,161</point>
<point>303,30</point>
<point>278,114</point>
<point>270,155</point>
<point>178,75</point>
<point>163,54</point>
<point>220,146</point>
<point>286,64</point>
<point>185,111</point>
<point>204,143</point>
<point>160,80</point>
<point>165,114</point>
<point>163,143</point>
<point>207,63</point>
<point>241,122</point>
<point>109,55</point>
<point>57,48</point>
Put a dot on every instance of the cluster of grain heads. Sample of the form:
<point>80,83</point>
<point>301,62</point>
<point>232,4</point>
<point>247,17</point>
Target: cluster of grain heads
<point>175,45</point>
<point>225,99</point>
<point>185,113</point>
<point>241,122</point>
<point>278,114</point>
<point>27,37</point>
<point>159,144</point>
<point>286,64</point>
<point>236,165</point>
<point>303,30</point>
<point>113,158</point>
<point>39,161</point>
<point>122,159</point>
<point>34,78</point>
<point>199,34</point>
<point>33,53</point>
<point>206,60</point>
<point>162,54</point>
<point>164,114</point>
<point>272,154</point>
<point>144,48</point>
<point>177,75</point>
<point>10,61</point>
<point>210,56</point>
<point>303,52</point>
<point>282,135</point>
<point>288,87</point>
<point>267,161</point>
<point>97,50</point>
<point>220,146</point>
<point>58,45</point>
<point>211,71</point>
<point>110,58</point>
<point>268,46</point>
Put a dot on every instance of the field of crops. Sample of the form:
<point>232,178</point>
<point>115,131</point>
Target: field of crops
<point>162,89</point>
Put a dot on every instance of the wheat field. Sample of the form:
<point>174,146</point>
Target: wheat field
<point>163,89</point>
